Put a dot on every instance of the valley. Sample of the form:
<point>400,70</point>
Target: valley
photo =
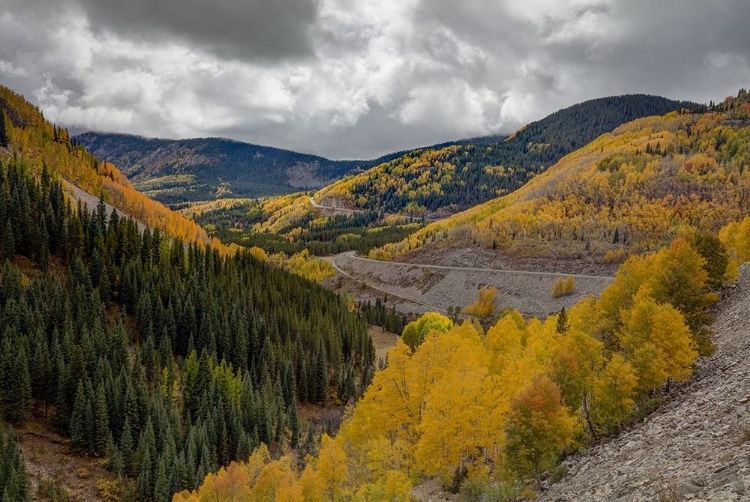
<point>397,332</point>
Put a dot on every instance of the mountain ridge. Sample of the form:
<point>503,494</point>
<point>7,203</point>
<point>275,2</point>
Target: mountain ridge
<point>447,179</point>
<point>627,191</point>
<point>219,167</point>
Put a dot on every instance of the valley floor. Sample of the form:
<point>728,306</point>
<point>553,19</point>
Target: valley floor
<point>697,446</point>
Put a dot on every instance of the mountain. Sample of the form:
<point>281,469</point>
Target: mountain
<point>448,179</point>
<point>628,191</point>
<point>146,350</point>
<point>176,171</point>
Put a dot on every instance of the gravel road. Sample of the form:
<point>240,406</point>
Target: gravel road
<point>437,287</point>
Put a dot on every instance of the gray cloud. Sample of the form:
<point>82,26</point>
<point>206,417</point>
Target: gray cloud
<point>266,29</point>
<point>351,78</point>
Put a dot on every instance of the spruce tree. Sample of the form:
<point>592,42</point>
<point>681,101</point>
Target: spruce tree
<point>4,139</point>
<point>161,486</point>
<point>321,375</point>
<point>78,421</point>
<point>562,322</point>
<point>101,422</point>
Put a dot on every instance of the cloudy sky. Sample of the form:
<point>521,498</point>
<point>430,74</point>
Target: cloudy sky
<point>358,78</point>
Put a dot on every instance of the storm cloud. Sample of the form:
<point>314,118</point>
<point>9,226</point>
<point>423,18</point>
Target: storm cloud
<point>353,78</point>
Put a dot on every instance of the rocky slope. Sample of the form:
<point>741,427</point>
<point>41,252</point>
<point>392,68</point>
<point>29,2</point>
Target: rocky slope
<point>423,288</point>
<point>697,446</point>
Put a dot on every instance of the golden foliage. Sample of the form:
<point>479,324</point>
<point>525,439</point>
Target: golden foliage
<point>452,398</point>
<point>563,287</point>
<point>428,170</point>
<point>41,145</point>
<point>484,307</point>
<point>627,192</point>
<point>306,265</point>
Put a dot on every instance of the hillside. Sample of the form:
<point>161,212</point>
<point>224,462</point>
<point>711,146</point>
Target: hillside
<point>28,136</point>
<point>201,169</point>
<point>627,192</point>
<point>490,413</point>
<point>292,223</point>
<point>692,447</point>
<point>445,180</point>
<point>158,360</point>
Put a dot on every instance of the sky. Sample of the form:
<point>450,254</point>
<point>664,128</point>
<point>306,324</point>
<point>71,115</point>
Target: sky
<point>358,78</point>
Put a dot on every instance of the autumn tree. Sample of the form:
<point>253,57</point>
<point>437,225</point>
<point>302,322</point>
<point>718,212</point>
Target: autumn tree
<point>484,307</point>
<point>538,429</point>
<point>415,331</point>
<point>656,341</point>
<point>614,390</point>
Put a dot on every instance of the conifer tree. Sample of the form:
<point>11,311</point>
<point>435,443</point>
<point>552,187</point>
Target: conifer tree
<point>78,421</point>
<point>4,140</point>
<point>161,486</point>
<point>101,422</point>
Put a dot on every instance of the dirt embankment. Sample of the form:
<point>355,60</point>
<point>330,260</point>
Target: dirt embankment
<point>697,446</point>
<point>419,288</point>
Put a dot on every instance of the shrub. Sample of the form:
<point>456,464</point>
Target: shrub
<point>563,287</point>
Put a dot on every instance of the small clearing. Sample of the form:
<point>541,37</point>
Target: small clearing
<point>382,340</point>
<point>48,457</point>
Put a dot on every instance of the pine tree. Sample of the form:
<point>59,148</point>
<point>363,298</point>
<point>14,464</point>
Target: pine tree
<point>126,447</point>
<point>78,421</point>
<point>321,375</point>
<point>17,386</point>
<point>161,486</point>
<point>101,422</point>
<point>562,322</point>
<point>9,240</point>
<point>294,425</point>
<point>4,139</point>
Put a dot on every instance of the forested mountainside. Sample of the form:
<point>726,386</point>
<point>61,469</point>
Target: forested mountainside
<point>629,191</point>
<point>25,133</point>
<point>488,414</point>
<point>456,177</point>
<point>202,169</point>
<point>291,224</point>
<point>166,359</point>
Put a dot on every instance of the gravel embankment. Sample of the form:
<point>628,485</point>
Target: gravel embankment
<point>697,446</point>
<point>435,287</point>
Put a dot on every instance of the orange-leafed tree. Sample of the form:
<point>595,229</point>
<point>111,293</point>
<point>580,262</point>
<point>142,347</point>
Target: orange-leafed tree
<point>538,428</point>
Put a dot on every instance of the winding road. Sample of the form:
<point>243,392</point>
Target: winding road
<point>439,287</point>
<point>347,211</point>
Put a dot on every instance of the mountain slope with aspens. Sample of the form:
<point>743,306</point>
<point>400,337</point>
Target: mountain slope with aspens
<point>453,178</point>
<point>626,192</point>
<point>489,413</point>
<point>166,360</point>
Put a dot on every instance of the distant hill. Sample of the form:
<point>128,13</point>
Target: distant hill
<point>629,191</point>
<point>175,171</point>
<point>455,176</point>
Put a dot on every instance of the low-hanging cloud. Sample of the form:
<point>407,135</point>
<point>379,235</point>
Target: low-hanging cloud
<point>352,78</point>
